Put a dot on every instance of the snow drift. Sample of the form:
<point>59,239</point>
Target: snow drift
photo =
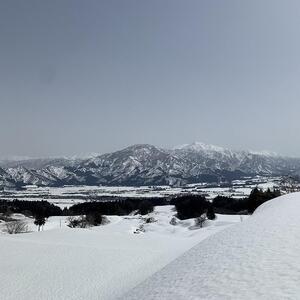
<point>256,259</point>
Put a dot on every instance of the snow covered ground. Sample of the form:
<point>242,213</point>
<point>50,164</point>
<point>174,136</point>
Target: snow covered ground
<point>70,195</point>
<point>255,259</point>
<point>98,263</point>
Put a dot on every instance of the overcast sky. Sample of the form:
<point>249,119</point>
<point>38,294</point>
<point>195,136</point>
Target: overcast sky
<point>95,76</point>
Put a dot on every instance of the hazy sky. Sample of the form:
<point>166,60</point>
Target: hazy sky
<point>96,76</point>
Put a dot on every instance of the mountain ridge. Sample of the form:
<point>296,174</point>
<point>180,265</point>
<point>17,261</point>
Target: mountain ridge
<point>145,164</point>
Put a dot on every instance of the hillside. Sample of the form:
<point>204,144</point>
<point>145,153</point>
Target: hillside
<point>256,259</point>
<point>102,262</point>
<point>144,164</point>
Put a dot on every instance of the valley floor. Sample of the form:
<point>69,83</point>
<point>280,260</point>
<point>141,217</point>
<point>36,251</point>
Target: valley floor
<point>102,262</point>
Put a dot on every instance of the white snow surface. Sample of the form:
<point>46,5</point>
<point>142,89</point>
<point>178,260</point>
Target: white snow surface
<point>255,259</point>
<point>103,262</point>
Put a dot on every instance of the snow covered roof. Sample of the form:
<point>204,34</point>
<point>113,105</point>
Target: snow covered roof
<point>256,259</point>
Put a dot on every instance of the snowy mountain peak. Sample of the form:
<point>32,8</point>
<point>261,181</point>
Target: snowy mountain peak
<point>198,146</point>
<point>143,147</point>
<point>144,164</point>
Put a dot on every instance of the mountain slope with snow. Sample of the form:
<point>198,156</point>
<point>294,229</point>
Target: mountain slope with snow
<point>256,259</point>
<point>145,164</point>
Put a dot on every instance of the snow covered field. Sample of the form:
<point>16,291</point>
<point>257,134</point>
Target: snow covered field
<point>70,195</point>
<point>255,259</point>
<point>98,263</point>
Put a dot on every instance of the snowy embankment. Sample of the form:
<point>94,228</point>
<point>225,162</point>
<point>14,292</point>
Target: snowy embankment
<point>102,262</point>
<point>256,259</point>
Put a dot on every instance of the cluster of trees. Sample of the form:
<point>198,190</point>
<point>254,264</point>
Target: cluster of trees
<point>229,205</point>
<point>258,197</point>
<point>30,208</point>
<point>193,206</point>
<point>44,209</point>
<point>118,207</point>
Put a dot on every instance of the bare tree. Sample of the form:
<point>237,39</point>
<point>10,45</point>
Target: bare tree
<point>77,222</point>
<point>201,220</point>
<point>15,227</point>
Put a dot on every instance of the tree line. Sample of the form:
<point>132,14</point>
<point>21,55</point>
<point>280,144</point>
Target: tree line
<point>247,205</point>
<point>187,206</point>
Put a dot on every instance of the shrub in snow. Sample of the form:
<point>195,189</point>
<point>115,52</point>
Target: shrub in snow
<point>150,220</point>
<point>174,221</point>
<point>91,219</point>
<point>77,222</point>
<point>15,227</point>
<point>199,221</point>
<point>105,220</point>
<point>139,229</point>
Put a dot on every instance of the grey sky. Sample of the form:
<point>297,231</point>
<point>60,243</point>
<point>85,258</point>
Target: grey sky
<point>95,76</point>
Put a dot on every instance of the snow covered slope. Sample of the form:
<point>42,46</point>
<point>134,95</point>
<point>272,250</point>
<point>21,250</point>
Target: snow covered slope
<point>145,164</point>
<point>102,262</point>
<point>256,259</point>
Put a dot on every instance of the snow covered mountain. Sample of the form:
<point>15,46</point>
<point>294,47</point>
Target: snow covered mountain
<point>145,164</point>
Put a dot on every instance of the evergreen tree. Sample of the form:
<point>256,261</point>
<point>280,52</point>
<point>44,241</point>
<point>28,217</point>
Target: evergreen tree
<point>210,213</point>
<point>39,221</point>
